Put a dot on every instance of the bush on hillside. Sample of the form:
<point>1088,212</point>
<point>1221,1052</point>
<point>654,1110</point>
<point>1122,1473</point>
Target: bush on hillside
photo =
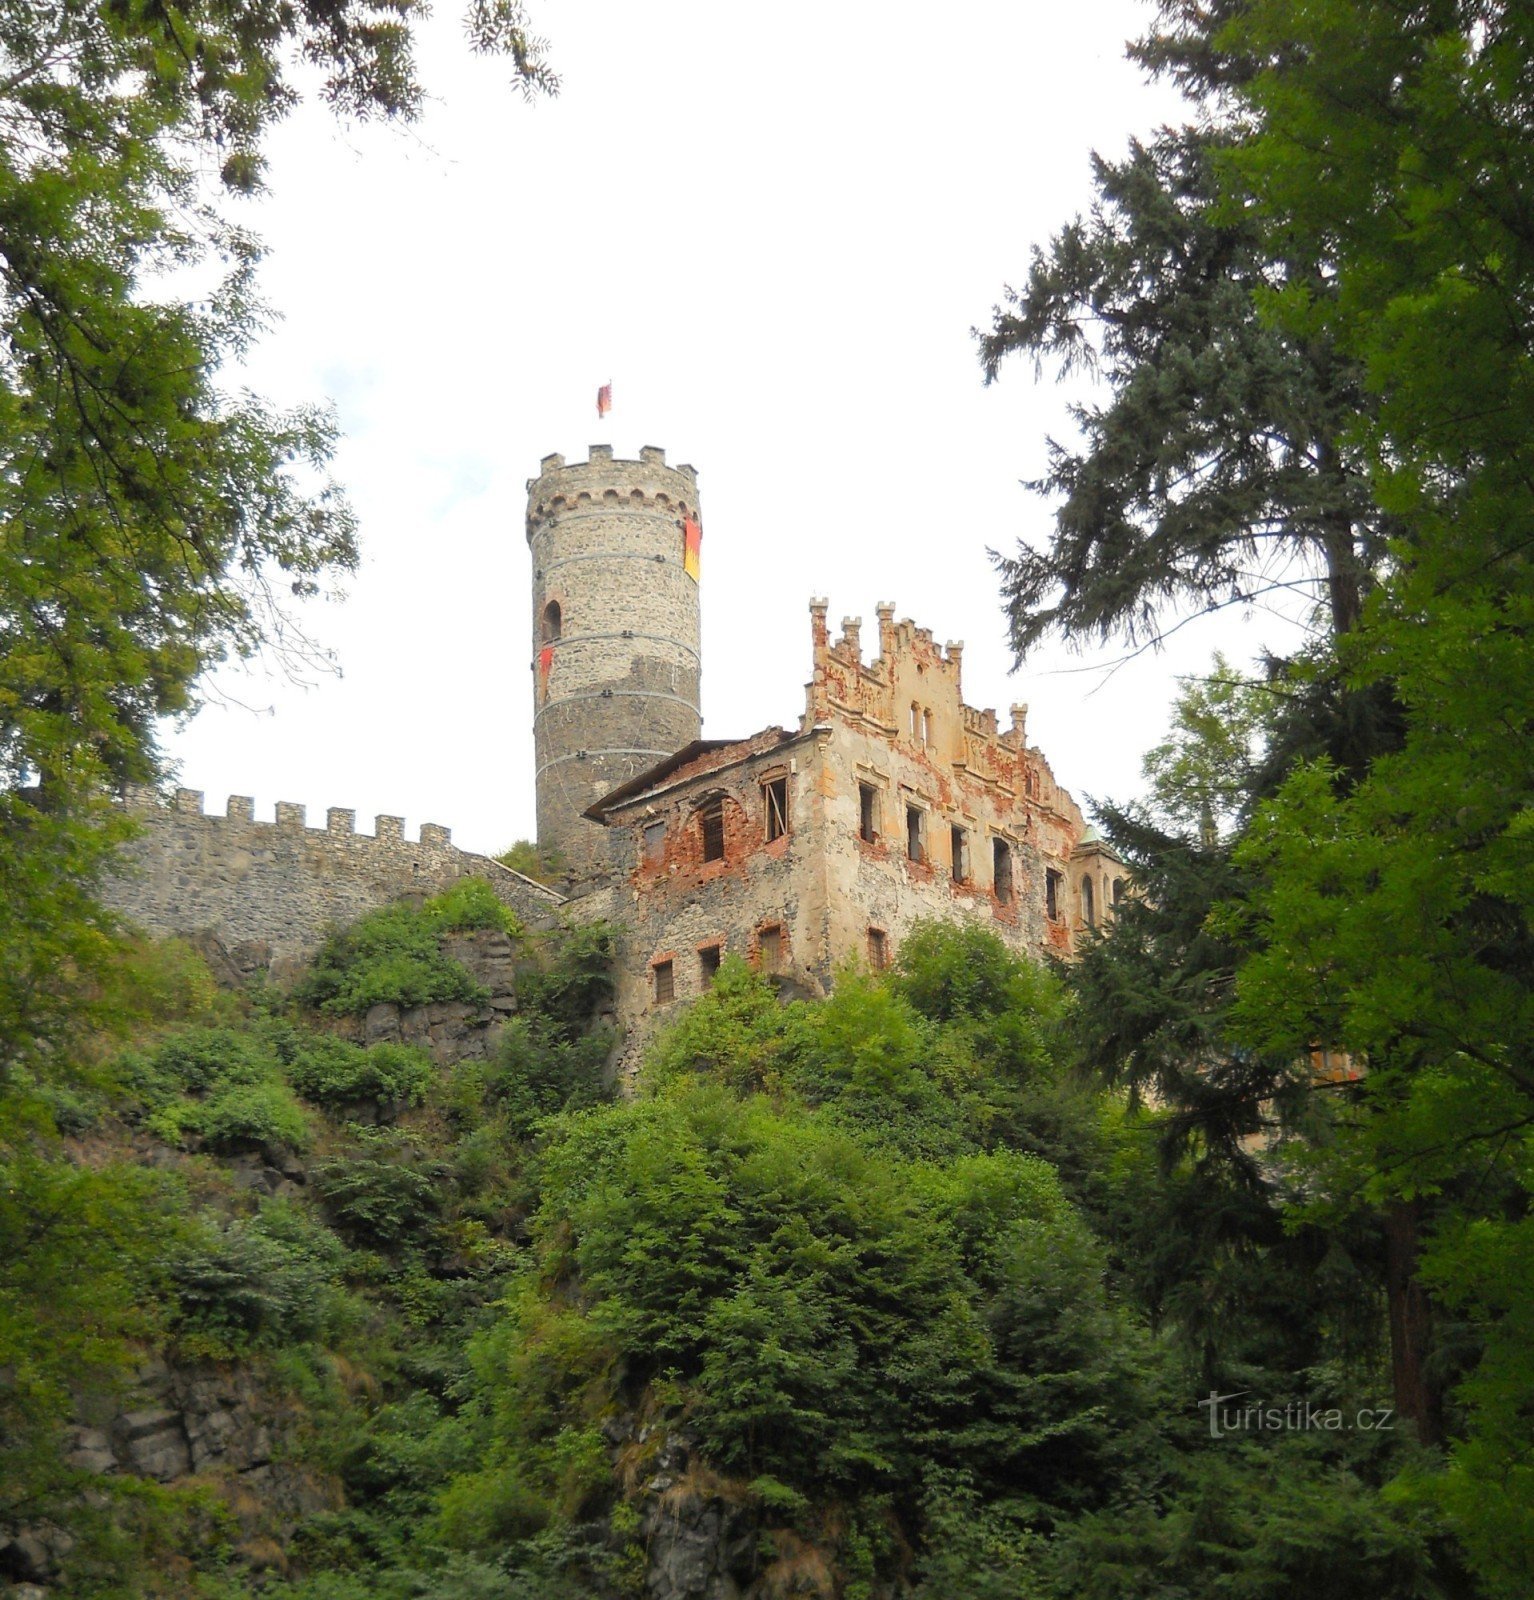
<point>394,954</point>
<point>335,1072</point>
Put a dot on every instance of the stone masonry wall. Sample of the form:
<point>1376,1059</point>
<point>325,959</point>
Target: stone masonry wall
<point>277,886</point>
<point>669,904</point>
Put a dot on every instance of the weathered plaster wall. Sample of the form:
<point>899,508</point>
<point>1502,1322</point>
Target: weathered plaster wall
<point>902,728</point>
<point>671,904</point>
<point>281,884</point>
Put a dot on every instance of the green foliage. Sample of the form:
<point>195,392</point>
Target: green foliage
<point>1222,444</point>
<point>222,1085</point>
<point>80,1284</point>
<point>572,982</point>
<point>260,1285</point>
<point>471,903</point>
<point>385,1191</point>
<point>1262,1521</point>
<point>334,1072</point>
<point>394,955</point>
<point>541,863</point>
<point>841,1320</point>
<point>536,1071</point>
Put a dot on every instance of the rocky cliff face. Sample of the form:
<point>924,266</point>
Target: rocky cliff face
<point>222,1428</point>
<point>455,1030</point>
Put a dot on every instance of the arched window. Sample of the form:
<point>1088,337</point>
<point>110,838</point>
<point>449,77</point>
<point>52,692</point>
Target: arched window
<point>1118,891</point>
<point>1088,905</point>
<point>915,720</point>
<point>551,622</point>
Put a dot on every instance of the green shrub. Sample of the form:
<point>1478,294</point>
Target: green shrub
<point>394,954</point>
<point>471,903</point>
<point>333,1072</point>
<point>221,1084</point>
<point>194,1061</point>
<point>843,1319</point>
<point>262,1284</point>
<point>575,981</point>
<point>542,864</point>
<point>243,1116</point>
<point>248,1115</point>
<point>537,1070</point>
<point>386,1191</point>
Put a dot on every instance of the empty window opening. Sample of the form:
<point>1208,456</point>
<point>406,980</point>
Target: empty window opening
<point>958,849</point>
<point>775,798</point>
<point>1088,903</point>
<point>769,944</point>
<point>708,963</point>
<point>654,841</point>
<point>926,726</point>
<point>665,982</point>
<point>711,821</point>
<point>913,839</point>
<point>867,813</point>
<point>1118,891</point>
<point>551,622</point>
<point>1001,870</point>
<point>1052,885</point>
<point>878,949</point>
<point>915,720</point>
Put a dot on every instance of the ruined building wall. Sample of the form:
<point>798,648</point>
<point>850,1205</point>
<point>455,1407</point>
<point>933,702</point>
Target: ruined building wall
<point>616,666</point>
<point>280,885</point>
<point>764,899</point>
<point>905,734</point>
<point>887,764</point>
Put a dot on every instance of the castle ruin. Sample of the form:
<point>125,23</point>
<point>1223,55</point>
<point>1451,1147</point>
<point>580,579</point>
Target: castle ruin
<point>800,850</point>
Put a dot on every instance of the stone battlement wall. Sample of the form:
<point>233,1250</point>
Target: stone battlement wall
<point>281,884</point>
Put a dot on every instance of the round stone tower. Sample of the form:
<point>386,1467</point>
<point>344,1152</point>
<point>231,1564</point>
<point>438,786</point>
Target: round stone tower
<point>616,663</point>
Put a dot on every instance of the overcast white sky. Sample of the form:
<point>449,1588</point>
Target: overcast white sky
<point>773,231</point>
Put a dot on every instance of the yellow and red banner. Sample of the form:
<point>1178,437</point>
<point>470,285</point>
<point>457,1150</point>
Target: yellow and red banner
<point>604,399</point>
<point>692,546</point>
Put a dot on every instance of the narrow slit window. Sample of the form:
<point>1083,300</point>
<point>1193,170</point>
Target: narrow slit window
<point>1052,885</point>
<point>915,720</point>
<point>926,726</point>
<point>665,982</point>
<point>711,821</point>
<point>958,847</point>
<point>878,949</point>
<point>867,813</point>
<point>1001,870</point>
<point>708,963</point>
<point>769,944</point>
<point>913,840</point>
<point>775,800</point>
<point>1088,903</point>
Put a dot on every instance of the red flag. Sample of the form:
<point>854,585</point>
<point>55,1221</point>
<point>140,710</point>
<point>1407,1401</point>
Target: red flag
<point>604,399</point>
<point>692,543</point>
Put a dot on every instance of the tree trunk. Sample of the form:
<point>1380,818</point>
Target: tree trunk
<point>1417,1397</point>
